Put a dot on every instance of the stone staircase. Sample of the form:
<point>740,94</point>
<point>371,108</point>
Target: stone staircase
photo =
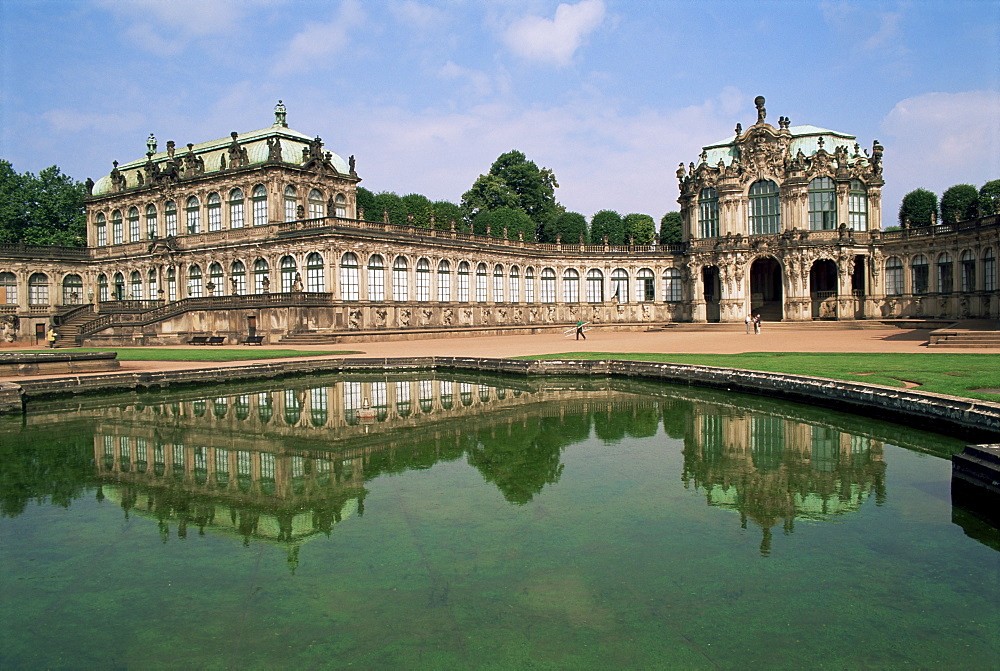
<point>967,334</point>
<point>69,331</point>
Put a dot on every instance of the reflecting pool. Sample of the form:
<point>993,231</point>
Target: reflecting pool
<point>459,521</point>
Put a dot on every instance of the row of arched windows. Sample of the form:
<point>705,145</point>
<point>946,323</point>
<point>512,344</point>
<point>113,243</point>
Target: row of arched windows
<point>943,279</point>
<point>214,216</point>
<point>38,289</point>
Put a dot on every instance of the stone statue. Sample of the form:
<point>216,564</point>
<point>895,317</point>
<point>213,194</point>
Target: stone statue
<point>274,149</point>
<point>280,115</point>
<point>761,111</point>
<point>681,173</point>
<point>350,163</point>
<point>138,177</point>
<point>739,129</point>
<point>234,152</point>
<point>150,145</point>
<point>90,186</point>
<point>876,158</point>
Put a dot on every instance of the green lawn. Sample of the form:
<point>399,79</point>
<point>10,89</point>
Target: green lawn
<point>206,354</point>
<point>954,374</point>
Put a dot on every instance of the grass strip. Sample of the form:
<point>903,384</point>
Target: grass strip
<point>962,375</point>
<point>206,354</point>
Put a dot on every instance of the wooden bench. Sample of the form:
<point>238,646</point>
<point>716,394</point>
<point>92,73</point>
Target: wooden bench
<point>198,340</point>
<point>254,340</point>
<point>216,340</point>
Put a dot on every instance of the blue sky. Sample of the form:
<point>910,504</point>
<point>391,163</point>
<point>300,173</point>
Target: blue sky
<point>609,94</point>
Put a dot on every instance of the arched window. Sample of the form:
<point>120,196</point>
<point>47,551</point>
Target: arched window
<point>672,285</point>
<point>571,285</point>
<point>349,277</point>
<point>193,210</point>
<point>170,217</point>
<point>318,413</point>
<point>893,276</point>
<point>515,284</point>
<point>102,288</point>
<point>645,286</point>
<point>529,285</point>
<point>423,280</point>
<point>171,284</point>
<point>237,216</point>
<point>547,286</point>
<point>968,271</point>
<point>101,227</point>
<point>135,290</point>
<point>288,271</point>
<point>822,205</point>
<point>261,277</point>
<point>340,206</point>
<point>857,206</point>
<point>152,230</point>
<point>293,411</point>
<point>399,283</point>
<point>708,213</point>
<point>376,278</point>
<point>72,290</point>
<point>258,198</point>
<point>765,208</point>
<point>215,280</point>
<point>194,281</point>
<point>117,233</point>
<point>989,270</point>
<point>463,282</point>
<point>214,212</point>
<point>498,283</point>
<point>290,203</point>
<point>133,224</point>
<point>945,281</point>
<point>238,278</point>
<point>316,204</point>
<point>595,286</point>
<point>619,285</point>
<point>151,284</point>
<point>444,281</point>
<point>315,280</point>
<point>919,274</point>
<point>119,290</point>
<point>481,283</point>
<point>8,288</point>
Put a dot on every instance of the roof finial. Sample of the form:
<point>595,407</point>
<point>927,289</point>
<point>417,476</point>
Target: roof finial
<point>280,115</point>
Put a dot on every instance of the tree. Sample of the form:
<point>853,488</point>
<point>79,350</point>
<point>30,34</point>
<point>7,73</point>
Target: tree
<point>43,210</point>
<point>366,205</point>
<point>418,210</point>
<point>640,229</point>
<point>607,223</point>
<point>671,228</point>
<point>570,227</point>
<point>514,182</point>
<point>388,202</point>
<point>515,220</point>
<point>959,203</point>
<point>917,208</point>
<point>446,212</point>
<point>989,198</point>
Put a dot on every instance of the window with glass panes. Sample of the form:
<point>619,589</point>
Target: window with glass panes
<point>119,292</point>
<point>101,226</point>
<point>259,200</point>
<point>237,216</point>
<point>619,285</point>
<point>171,284</point>
<point>571,285</point>
<point>423,280</point>
<point>133,224</point>
<point>349,279</point>
<point>672,285</point>
<point>214,212</point>
<point>290,203</point>
<point>103,294</point>
<point>315,279</point>
<point>265,406</point>
<point>8,288</point>
<point>340,206</point>
<point>645,286</point>
<point>403,407</point>
<point>822,204</point>
<point>151,231</point>
<point>463,281</point>
<point>515,284</point>
<point>498,283</point>
<point>529,285</point>
<point>135,291</point>
<point>151,283</point>
<point>117,232</point>
<point>893,276</point>
<point>857,206</point>
<point>481,283</point>
<point>595,286</point>
<point>376,278</point>
<point>72,290</point>
<point>170,217</point>
<point>708,213</point>
<point>968,271</point>
<point>38,289</point>
<point>238,278</point>
<point>399,283</point>
<point>316,205</point>
<point>194,281</point>
<point>293,407</point>
<point>193,210</point>
<point>765,208</point>
<point>288,270</point>
<point>317,406</point>
<point>261,276</point>
<point>989,270</point>
<point>444,281</point>
<point>919,274</point>
<point>945,282</point>
<point>215,276</point>
<point>547,286</point>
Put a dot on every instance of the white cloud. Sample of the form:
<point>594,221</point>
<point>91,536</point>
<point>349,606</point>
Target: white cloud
<point>319,41</point>
<point>478,82</point>
<point>555,40</point>
<point>417,16</point>
<point>73,121</point>
<point>166,27</point>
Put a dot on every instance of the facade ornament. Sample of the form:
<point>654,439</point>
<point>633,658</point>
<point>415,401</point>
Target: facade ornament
<point>784,122</point>
<point>876,158</point>
<point>274,150</point>
<point>350,164</point>
<point>681,174</point>
<point>90,186</point>
<point>238,157</point>
<point>821,142</point>
<point>280,115</point>
<point>739,129</point>
<point>117,178</point>
<point>761,111</point>
<point>150,145</point>
<point>138,178</point>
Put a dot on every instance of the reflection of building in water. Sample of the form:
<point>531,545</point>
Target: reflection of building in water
<point>773,469</point>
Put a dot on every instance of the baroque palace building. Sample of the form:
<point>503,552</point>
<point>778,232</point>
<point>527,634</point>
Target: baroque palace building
<point>260,233</point>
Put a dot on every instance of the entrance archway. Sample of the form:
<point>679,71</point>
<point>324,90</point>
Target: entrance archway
<point>713,292</point>
<point>823,289</point>
<point>766,295</point>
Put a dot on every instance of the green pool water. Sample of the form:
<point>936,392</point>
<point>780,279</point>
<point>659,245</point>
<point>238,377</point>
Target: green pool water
<point>449,521</point>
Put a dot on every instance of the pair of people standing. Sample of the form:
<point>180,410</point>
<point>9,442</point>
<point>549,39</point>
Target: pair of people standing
<point>753,321</point>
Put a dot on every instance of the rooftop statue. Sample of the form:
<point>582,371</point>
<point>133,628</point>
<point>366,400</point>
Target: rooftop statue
<point>280,115</point>
<point>761,112</point>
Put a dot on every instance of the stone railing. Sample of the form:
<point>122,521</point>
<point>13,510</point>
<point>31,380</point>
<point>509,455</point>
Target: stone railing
<point>39,252</point>
<point>919,232</point>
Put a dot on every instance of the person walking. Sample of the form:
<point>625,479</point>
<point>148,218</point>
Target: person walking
<point>748,320</point>
<point>579,330</point>
<point>51,337</point>
<point>756,324</point>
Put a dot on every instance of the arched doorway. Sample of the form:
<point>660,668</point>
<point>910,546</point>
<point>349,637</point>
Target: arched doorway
<point>766,296</point>
<point>823,289</point>
<point>713,292</point>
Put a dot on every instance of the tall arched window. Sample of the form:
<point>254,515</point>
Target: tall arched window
<point>102,288</point>
<point>857,206</point>
<point>214,212</point>
<point>349,277</point>
<point>171,284</point>
<point>316,204</point>
<point>919,274</point>
<point>498,283</point>
<point>547,286</point>
<point>645,286</point>
<point>463,281</point>
<point>376,278</point>
<point>8,289</point>
<point>133,224</point>
<point>423,280</point>
<point>152,230</point>
<point>708,213</point>
<point>595,286</point>
<point>170,217</point>
<point>945,282</point>
<point>238,278</point>
<point>193,210</point>
<point>258,198</point>
<point>672,285</point>
<point>340,206</point>
<point>893,276</point>
<point>261,277</point>
<point>288,270</point>
<point>72,290</point>
<point>290,203</point>
<point>400,290</point>
<point>117,233</point>
<point>619,285</point>
<point>194,281</point>
<point>215,280</point>
<point>571,285</point>
<point>765,208</point>
<point>444,281</point>
<point>315,280</point>
<point>968,260</point>
<point>151,284</point>
<point>135,290</point>
<point>529,285</point>
<point>822,205</point>
<point>101,228</point>
<point>481,283</point>
<point>237,215</point>
<point>119,290</point>
<point>515,284</point>
<point>989,270</point>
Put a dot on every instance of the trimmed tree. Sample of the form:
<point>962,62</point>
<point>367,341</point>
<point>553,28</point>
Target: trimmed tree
<point>917,208</point>
<point>989,198</point>
<point>959,203</point>
<point>444,213</point>
<point>607,223</point>
<point>366,205</point>
<point>671,228</point>
<point>43,210</point>
<point>515,220</point>
<point>570,227</point>
<point>639,228</point>
<point>514,182</point>
<point>418,210</point>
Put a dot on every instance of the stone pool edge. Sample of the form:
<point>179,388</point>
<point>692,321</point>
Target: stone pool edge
<point>937,412</point>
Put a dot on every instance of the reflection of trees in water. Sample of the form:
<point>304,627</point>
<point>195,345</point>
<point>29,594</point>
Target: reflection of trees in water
<point>35,465</point>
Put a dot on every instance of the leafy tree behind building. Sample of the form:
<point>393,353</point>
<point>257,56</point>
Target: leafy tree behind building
<point>46,209</point>
<point>671,228</point>
<point>607,223</point>
<point>959,203</point>
<point>989,198</point>
<point>570,227</point>
<point>919,208</point>
<point>517,183</point>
